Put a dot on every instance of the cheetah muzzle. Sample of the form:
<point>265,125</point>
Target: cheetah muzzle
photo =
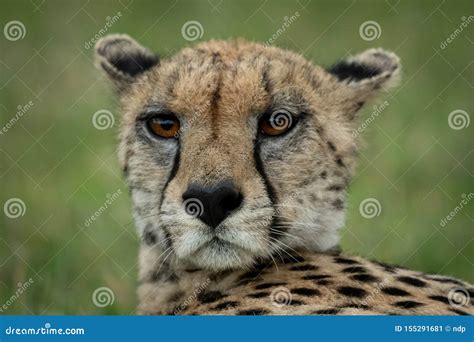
<point>238,157</point>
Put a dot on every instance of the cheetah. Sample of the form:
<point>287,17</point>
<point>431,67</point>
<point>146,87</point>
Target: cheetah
<point>238,157</point>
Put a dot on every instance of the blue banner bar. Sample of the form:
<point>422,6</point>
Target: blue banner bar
<point>256,328</point>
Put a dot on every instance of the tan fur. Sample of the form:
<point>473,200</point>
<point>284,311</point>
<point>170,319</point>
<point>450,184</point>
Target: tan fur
<point>293,186</point>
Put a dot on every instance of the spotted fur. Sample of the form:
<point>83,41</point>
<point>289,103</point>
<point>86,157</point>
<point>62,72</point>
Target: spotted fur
<point>284,234</point>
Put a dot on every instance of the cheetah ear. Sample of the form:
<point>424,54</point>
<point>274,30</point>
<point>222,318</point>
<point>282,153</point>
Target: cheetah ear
<point>361,76</point>
<point>123,59</point>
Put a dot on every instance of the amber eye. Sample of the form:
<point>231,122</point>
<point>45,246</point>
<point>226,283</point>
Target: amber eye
<point>276,123</point>
<point>164,125</point>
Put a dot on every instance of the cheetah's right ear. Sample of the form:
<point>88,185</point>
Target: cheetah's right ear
<point>123,59</point>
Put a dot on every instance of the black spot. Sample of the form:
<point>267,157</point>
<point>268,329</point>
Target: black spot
<point>338,204</point>
<point>292,259</point>
<point>340,260</point>
<point>306,267</point>
<point>412,281</point>
<point>268,285</point>
<point>253,312</point>
<point>441,299</point>
<point>386,267</point>
<point>259,294</point>
<point>323,174</point>
<point>354,269</point>
<point>408,304</point>
<point>249,277</point>
<point>192,270</point>
<point>210,297</point>
<point>345,70</point>
<point>149,238</point>
<point>331,146</point>
<point>226,305</point>
<point>326,312</point>
<point>323,282</point>
<point>340,162</point>
<point>336,187</point>
<point>364,277</point>
<point>350,291</point>
<point>446,280</point>
<point>395,291</point>
<point>459,312</point>
<point>316,276</point>
<point>304,291</point>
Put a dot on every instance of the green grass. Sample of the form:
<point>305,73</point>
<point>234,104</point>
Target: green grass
<point>54,160</point>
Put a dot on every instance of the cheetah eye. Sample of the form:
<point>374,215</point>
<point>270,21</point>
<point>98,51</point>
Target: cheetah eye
<point>164,125</point>
<point>276,123</point>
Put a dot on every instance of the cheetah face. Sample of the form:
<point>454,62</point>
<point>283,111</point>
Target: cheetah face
<point>236,152</point>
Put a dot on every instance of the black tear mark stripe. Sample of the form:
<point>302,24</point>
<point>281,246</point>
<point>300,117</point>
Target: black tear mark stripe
<point>174,171</point>
<point>268,187</point>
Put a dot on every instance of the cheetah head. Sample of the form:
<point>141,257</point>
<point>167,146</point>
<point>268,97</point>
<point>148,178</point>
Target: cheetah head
<point>234,151</point>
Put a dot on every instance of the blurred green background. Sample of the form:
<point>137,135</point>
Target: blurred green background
<point>63,169</point>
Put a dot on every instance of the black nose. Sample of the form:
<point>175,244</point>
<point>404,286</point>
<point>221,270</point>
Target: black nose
<point>212,204</point>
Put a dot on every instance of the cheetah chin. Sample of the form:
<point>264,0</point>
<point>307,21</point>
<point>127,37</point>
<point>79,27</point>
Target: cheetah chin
<point>238,157</point>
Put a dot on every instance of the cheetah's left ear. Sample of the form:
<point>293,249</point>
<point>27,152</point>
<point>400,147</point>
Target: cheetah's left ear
<point>363,75</point>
